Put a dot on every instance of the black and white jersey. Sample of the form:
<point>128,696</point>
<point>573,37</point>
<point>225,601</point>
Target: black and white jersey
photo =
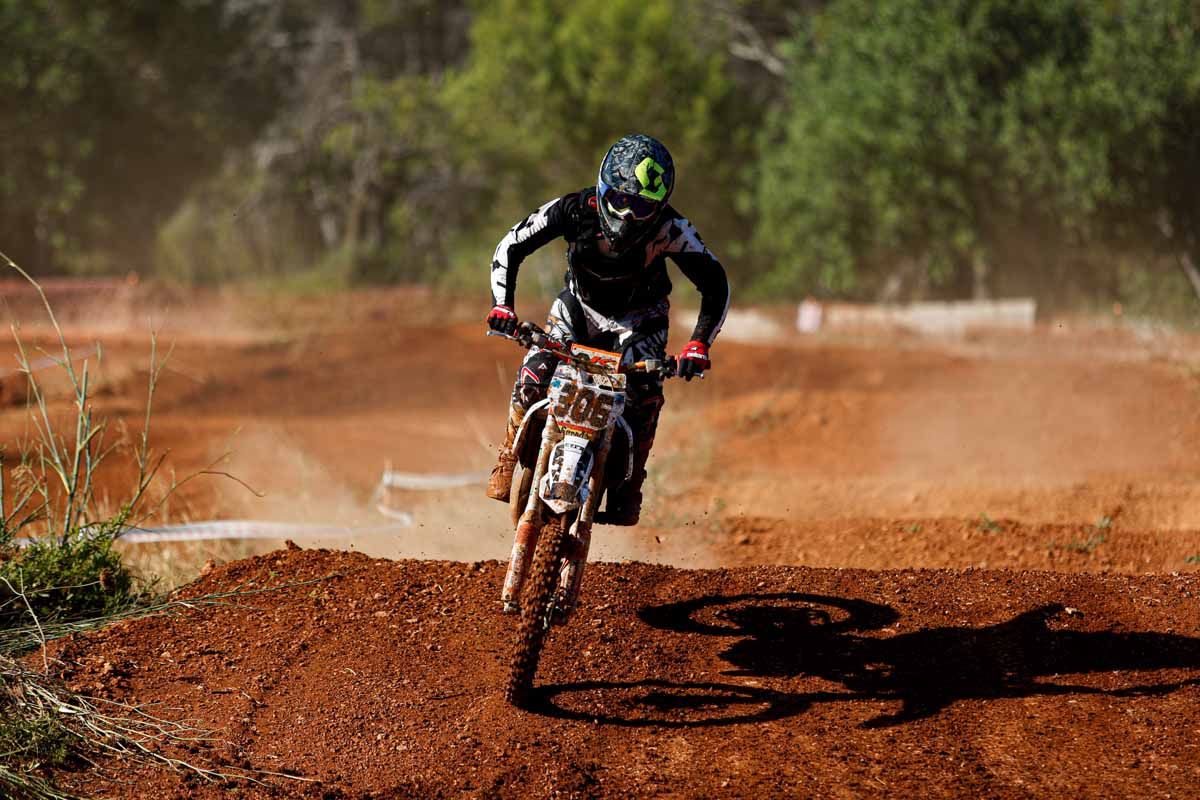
<point>615,285</point>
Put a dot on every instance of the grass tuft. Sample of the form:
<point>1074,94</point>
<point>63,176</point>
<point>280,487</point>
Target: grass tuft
<point>989,525</point>
<point>1085,546</point>
<point>78,578</point>
<point>60,574</point>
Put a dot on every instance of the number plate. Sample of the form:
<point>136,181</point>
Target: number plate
<point>585,407</point>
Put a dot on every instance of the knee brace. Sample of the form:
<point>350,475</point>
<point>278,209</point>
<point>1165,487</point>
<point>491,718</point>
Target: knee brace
<point>533,381</point>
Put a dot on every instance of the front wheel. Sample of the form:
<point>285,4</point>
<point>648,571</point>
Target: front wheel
<point>537,609</point>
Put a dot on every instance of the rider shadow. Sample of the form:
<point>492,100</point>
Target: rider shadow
<point>789,635</point>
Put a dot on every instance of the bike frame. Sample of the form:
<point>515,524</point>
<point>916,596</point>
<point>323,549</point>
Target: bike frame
<point>591,371</point>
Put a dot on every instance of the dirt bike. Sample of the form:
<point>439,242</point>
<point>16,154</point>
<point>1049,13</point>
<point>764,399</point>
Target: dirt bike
<point>559,480</point>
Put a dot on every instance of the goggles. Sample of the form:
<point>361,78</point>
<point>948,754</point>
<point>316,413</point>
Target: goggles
<point>627,205</point>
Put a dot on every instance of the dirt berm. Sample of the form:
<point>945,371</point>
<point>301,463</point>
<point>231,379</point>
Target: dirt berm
<point>383,679</point>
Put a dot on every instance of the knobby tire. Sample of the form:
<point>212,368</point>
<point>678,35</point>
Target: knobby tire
<point>537,598</point>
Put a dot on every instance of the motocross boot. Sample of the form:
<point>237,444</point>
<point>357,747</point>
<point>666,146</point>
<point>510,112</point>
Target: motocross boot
<point>499,485</point>
<point>624,506</point>
<point>624,503</point>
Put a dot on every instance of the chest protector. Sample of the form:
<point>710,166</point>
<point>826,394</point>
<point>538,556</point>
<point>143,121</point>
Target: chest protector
<point>610,283</point>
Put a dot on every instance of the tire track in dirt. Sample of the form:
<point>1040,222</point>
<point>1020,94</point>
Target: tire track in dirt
<point>386,680</point>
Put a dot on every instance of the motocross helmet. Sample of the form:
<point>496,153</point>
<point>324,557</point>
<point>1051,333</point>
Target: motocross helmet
<point>637,176</point>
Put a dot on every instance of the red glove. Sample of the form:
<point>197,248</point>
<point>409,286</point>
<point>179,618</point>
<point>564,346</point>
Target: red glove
<point>502,319</point>
<point>694,359</point>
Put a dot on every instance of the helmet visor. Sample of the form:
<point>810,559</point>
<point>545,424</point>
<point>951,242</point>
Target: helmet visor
<point>627,206</point>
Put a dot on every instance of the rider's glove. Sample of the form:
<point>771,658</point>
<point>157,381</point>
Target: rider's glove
<point>694,359</point>
<point>502,319</point>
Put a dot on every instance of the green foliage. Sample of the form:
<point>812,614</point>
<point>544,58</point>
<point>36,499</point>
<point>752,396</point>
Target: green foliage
<point>549,85</point>
<point>395,153</point>
<point>413,175</point>
<point>563,80</point>
<point>38,741</point>
<point>238,225</point>
<point>846,148</point>
<point>108,112</point>
<point>1153,288</point>
<point>55,580</point>
<point>942,143</point>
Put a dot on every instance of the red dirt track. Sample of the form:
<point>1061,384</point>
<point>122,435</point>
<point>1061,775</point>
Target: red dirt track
<point>885,566</point>
<point>384,680</point>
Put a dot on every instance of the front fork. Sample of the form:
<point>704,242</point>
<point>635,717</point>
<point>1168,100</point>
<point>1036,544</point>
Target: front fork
<point>578,540</point>
<point>529,524</point>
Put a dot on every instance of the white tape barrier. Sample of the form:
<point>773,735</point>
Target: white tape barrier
<point>424,482</point>
<point>239,529</point>
<point>951,318</point>
<point>251,529</point>
<point>417,481</point>
<point>46,362</point>
<point>236,529</point>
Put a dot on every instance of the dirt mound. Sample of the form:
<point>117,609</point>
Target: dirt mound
<point>374,678</point>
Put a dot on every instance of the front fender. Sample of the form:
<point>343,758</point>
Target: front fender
<point>565,484</point>
<point>524,428</point>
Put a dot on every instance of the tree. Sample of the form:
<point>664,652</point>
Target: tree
<point>550,84</point>
<point>1110,139</point>
<point>108,112</point>
<point>940,147</point>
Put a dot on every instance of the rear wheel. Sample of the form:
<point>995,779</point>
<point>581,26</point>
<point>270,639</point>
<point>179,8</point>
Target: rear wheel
<point>537,610</point>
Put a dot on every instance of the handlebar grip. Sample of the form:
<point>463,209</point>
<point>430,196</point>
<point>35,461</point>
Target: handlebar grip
<point>666,367</point>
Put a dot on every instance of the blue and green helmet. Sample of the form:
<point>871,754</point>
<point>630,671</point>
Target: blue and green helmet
<point>637,176</point>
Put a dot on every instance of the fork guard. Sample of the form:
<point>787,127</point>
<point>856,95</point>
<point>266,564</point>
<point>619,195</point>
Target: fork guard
<point>528,527</point>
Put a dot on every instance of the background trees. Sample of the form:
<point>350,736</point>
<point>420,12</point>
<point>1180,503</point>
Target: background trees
<point>845,148</point>
<point>110,112</point>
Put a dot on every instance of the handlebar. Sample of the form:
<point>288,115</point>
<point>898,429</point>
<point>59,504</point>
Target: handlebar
<point>530,335</point>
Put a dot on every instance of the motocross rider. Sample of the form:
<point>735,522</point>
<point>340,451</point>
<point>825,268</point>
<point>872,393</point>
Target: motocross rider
<point>618,235</point>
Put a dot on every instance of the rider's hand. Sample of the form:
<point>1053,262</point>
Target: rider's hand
<point>502,319</point>
<point>694,360</point>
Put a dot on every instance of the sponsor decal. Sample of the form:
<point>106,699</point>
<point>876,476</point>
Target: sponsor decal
<point>650,174</point>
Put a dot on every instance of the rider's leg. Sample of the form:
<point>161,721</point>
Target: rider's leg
<point>624,505</point>
<point>499,484</point>
<point>643,404</point>
<point>532,383</point>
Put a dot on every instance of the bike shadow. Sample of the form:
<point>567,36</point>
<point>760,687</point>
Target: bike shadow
<point>793,635</point>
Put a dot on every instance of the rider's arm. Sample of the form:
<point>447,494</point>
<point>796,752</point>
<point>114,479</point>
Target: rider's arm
<point>701,267</point>
<point>540,227</point>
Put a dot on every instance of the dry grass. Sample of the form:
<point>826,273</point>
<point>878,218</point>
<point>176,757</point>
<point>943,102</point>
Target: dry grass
<point>64,575</point>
